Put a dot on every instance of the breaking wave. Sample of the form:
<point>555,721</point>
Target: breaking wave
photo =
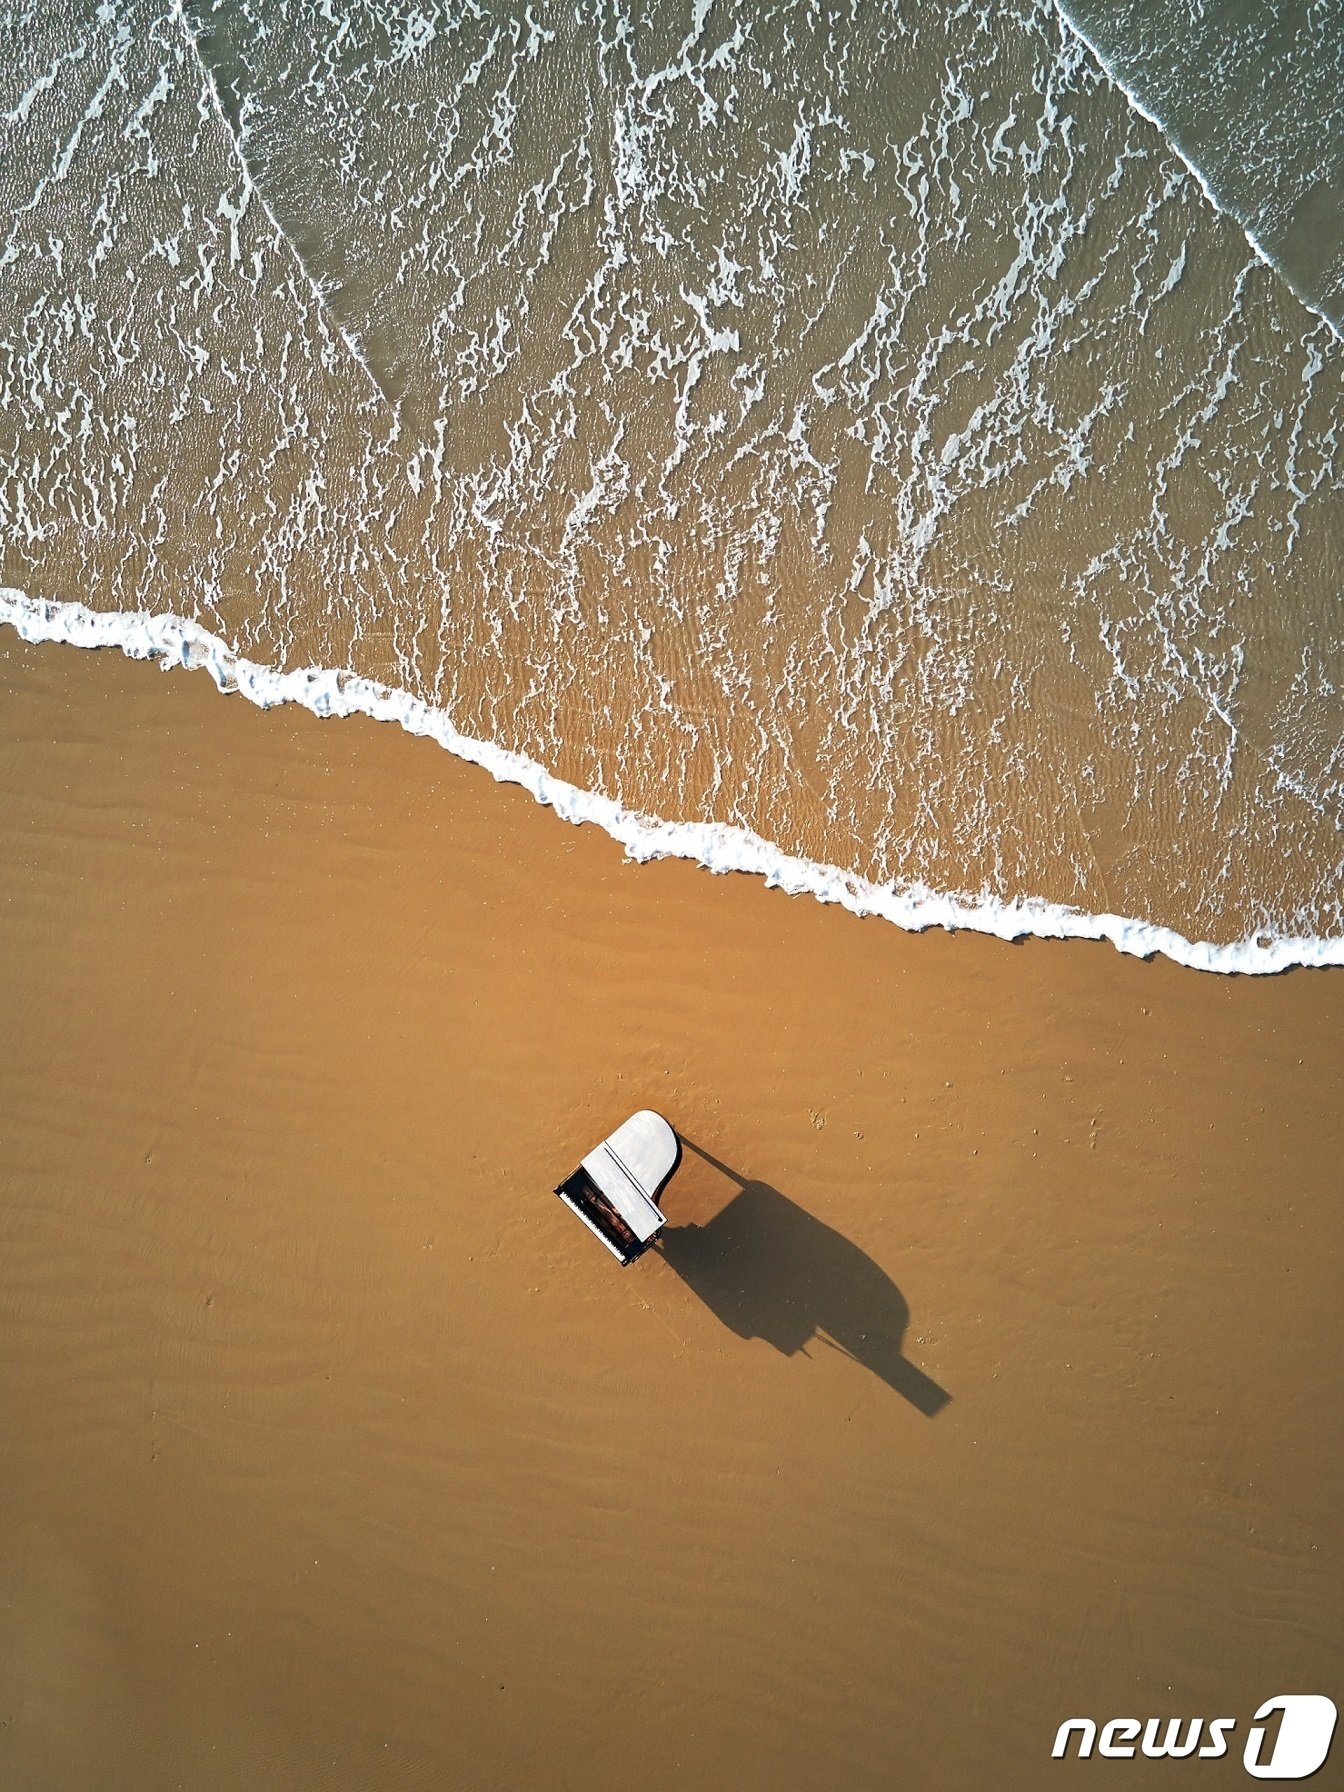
<point>1252,99</point>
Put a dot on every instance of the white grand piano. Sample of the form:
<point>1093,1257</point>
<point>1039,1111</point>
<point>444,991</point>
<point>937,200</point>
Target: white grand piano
<point>615,1189</point>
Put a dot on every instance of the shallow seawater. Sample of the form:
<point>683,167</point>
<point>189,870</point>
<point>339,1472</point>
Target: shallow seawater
<point>862,428</point>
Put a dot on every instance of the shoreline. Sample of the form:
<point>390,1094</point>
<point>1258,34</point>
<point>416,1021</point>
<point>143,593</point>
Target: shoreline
<point>326,692</point>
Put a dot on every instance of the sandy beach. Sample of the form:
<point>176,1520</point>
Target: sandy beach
<point>990,1374</point>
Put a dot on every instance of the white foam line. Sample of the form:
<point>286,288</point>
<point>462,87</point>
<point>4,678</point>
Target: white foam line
<point>1257,247</point>
<point>174,641</point>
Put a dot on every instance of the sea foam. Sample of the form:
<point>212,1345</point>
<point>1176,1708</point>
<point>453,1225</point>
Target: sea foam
<point>175,641</point>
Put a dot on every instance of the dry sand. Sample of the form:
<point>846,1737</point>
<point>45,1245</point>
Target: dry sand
<point>337,1454</point>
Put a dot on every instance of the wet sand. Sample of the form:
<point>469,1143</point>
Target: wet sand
<point>992,1372</point>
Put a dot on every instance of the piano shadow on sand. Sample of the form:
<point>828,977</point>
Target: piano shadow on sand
<point>768,1269</point>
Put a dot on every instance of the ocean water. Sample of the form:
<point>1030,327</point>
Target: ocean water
<point>893,448</point>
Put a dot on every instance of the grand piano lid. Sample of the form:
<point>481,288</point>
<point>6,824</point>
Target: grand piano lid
<point>632,1165</point>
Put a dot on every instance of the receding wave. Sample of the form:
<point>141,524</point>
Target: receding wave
<point>174,641</point>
